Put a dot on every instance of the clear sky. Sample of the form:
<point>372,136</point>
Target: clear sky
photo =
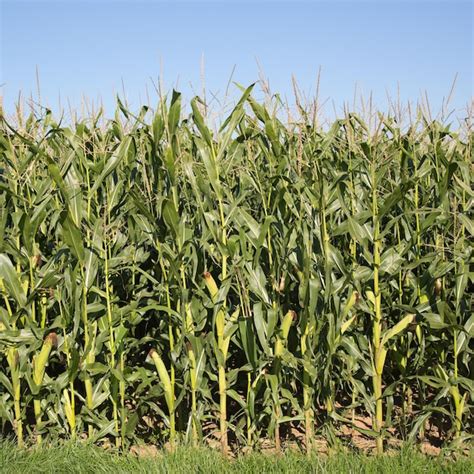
<point>90,47</point>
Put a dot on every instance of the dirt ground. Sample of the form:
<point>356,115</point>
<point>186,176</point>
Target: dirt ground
<point>293,439</point>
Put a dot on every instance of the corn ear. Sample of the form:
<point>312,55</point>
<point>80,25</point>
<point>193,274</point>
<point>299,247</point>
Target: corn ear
<point>211,286</point>
<point>164,378</point>
<point>42,358</point>
<point>284,331</point>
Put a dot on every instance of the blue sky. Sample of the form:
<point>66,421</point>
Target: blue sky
<point>88,48</point>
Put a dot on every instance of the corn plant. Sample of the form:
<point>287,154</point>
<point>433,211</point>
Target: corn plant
<point>278,275</point>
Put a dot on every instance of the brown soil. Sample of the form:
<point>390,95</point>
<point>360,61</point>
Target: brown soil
<point>294,440</point>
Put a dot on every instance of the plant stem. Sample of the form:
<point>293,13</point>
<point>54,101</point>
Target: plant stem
<point>377,324</point>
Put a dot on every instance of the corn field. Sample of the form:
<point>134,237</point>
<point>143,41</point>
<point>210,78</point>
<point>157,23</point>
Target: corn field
<point>163,281</point>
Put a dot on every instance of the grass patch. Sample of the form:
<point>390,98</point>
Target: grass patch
<point>83,458</point>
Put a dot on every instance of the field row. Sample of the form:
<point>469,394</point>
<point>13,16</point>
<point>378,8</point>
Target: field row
<point>163,281</point>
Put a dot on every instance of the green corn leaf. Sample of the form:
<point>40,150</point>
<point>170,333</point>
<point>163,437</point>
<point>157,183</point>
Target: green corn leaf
<point>174,112</point>
<point>11,280</point>
<point>125,151</point>
<point>72,237</point>
<point>199,121</point>
<point>398,328</point>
